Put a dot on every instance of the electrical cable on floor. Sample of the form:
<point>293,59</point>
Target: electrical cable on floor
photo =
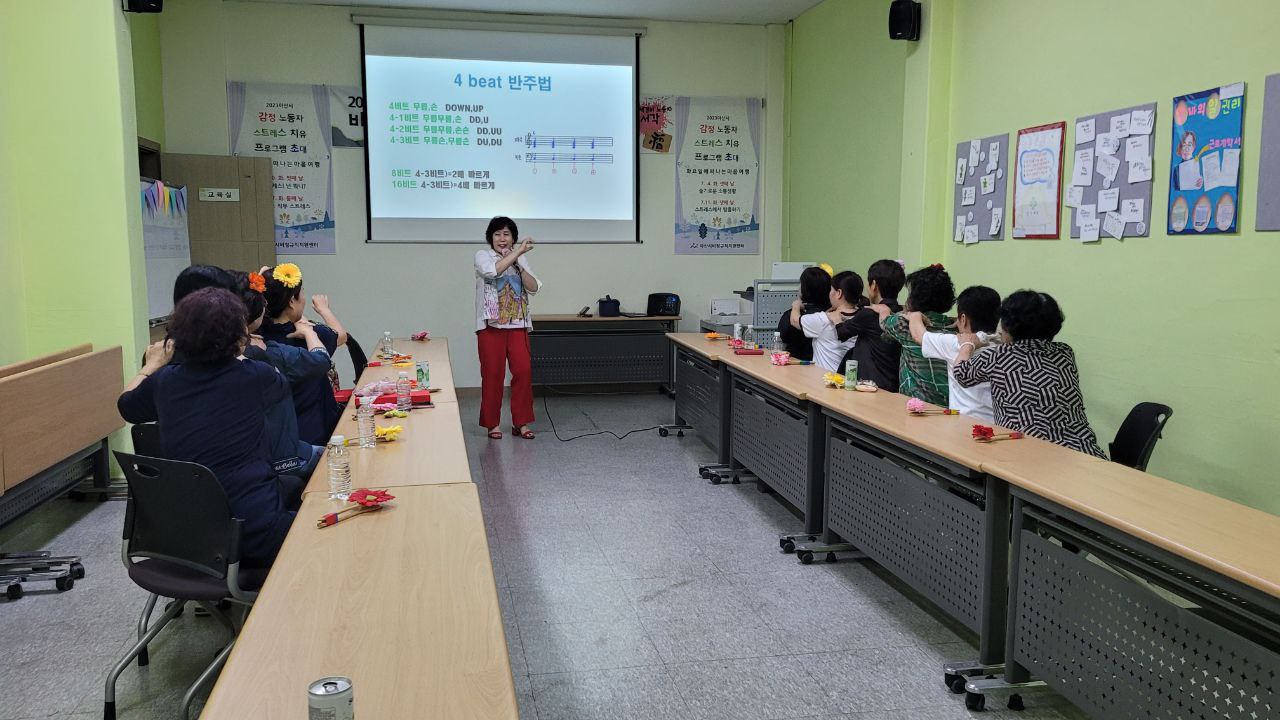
<point>546,412</point>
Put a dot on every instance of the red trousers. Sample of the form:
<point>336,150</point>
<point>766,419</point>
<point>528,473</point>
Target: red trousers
<point>499,347</point>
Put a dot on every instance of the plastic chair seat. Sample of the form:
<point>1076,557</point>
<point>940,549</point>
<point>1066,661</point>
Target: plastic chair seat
<point>170,579</point>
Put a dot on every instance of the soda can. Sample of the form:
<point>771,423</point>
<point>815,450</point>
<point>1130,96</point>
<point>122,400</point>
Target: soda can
<point>331,698</point>
<point>422,375</point>
<point>851,375</point>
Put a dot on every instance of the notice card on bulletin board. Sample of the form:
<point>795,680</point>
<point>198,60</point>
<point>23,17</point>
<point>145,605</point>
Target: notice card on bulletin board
<point>1037,180</point>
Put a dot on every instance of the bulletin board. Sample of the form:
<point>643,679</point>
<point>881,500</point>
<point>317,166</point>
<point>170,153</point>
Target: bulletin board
<point>982,168</point>
<point>1269,159</point>
<point>1109,192</point>
<point>1037,181</point>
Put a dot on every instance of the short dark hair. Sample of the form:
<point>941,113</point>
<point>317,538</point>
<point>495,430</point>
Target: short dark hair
<point>930,290</point>
<point>849,283</point>
<point>1031,315</point>
<point>197,277</point>
<point>815,287</point>
<point>496,224</point>
<point>981,305</point>
<point>277,295</point>
<point>208,328</point>
<point>888,277</point>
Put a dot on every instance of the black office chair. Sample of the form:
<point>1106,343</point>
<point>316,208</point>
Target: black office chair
<point>358,359</point>
<point>146,440</point>
<point>1138,434</point>
<point>180,541</point>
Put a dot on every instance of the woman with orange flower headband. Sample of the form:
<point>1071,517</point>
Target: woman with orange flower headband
<point>317,410</point>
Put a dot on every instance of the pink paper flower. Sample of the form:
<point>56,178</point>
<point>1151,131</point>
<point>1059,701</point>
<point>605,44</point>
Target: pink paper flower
<point>915,405</point>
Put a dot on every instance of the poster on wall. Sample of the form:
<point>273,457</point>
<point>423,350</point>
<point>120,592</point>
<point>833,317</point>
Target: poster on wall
<point>654,124</point>
<point>290,125</point>
<point>1037,180</point>
<point>166,243</point>
<point>717,175</point>
<point>1205,166</point>
<point>981,177</point>
<point>346,116</point>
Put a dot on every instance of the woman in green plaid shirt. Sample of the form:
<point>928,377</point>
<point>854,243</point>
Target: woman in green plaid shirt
<point>930,292</point>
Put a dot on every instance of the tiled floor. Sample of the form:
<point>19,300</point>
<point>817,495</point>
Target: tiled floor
<point>630,589</point>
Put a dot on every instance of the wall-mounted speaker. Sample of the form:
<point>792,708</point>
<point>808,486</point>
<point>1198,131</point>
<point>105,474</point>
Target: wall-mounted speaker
<point>143,6</point>
<point>904,20</point>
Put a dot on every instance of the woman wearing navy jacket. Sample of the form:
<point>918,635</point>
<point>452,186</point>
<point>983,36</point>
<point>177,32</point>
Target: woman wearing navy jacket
<point>212,410</point>
<point>318,411</point>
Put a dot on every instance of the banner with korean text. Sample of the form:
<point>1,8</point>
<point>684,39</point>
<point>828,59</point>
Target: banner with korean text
<point>717,175</point>
<point>289,124</point>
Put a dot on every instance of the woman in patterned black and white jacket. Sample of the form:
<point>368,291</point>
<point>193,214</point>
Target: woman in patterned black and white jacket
<point>1035,386</point>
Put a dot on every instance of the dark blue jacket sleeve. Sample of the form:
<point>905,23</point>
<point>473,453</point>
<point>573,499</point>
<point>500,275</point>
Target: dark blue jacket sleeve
<point>297,363</point>
<point>139,404</point>
<point>327,337</point>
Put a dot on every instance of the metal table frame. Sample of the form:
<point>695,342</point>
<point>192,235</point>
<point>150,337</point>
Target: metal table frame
<point>939,526</point>
<point>1125,629</point>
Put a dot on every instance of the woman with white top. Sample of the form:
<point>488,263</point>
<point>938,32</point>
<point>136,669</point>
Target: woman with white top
<point>504,284</point>
<point>828,349</point>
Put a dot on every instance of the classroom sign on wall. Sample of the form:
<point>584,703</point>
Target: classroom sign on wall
<point>290,124</point>
<point>1204,176</point>
<point>717,175</point>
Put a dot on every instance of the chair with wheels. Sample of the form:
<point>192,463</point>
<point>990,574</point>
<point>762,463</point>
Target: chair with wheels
<point>180,541</point>
<point>1138,434</point>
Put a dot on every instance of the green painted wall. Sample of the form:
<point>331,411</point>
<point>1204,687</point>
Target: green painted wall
<point>1171,319</point>
<point>144,29</point>
<point>844,135</point>
<point>73,233</point>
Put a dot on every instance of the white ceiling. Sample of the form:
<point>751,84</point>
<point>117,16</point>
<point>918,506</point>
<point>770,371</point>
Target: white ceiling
<point>750,12</point>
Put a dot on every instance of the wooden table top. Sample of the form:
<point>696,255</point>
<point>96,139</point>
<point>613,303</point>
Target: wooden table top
<point>434,351</point>
<point>1227,537</point>
<point>595,318</point>
<point>402,601</point>
<point>430,451</point>
<point>698,343</point>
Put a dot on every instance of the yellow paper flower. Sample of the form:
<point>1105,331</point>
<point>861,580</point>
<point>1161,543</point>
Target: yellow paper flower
<point>388,433</point>
<point>288,275</point>
<point>395,414</point>
<point>830,271</point>
<point>833,379</point>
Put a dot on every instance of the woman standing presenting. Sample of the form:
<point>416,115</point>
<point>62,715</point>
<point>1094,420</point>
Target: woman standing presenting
<point>504,283</point>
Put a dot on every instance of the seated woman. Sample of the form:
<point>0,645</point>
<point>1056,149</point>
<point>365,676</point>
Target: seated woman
<point>212,411</point>
<point>930,293</point>
<point>828,349</point>
<point>313,400</point>
<point>1035,386</point>
<point>815,290</point>
<point>289,454</point>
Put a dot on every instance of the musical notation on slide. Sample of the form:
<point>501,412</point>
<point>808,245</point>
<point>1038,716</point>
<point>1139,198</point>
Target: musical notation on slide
<point>571,142</point>
<point>569,157</point>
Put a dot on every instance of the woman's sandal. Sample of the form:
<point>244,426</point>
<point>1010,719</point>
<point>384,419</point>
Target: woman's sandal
<point>495,434</point>
<point>527,434</point>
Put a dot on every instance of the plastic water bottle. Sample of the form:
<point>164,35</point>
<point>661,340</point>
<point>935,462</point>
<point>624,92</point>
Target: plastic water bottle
<point>364,422</point>
<point>339,468</point>
<point>388,348</point>
<point>778,345</point>
<point>403,400</point>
